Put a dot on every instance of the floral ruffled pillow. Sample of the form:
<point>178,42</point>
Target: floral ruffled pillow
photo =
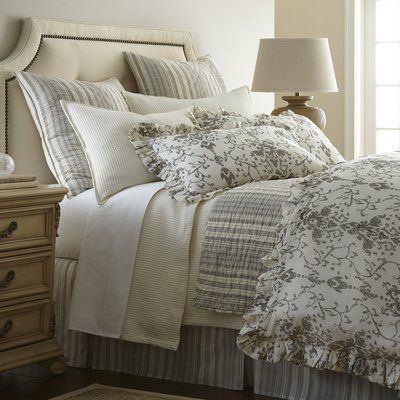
<point>203,120</point>
<point>300,128</point>
<point>208,120</point>
<point>147,130</point>
<point>197,165</point>
<point>304,132</point>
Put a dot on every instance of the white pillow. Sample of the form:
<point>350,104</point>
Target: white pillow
<point>237,100</point>
<point>104,137</point>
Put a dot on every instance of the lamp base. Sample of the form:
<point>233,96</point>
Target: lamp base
<point>298,104</point>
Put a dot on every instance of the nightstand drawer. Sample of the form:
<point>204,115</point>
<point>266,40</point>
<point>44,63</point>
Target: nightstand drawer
<point>26,275</point>
<point>24,323</point>
<point>26,227</point>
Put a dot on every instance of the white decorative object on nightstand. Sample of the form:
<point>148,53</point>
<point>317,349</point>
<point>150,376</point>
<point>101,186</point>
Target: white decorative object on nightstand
<point>28,223</point>
<point>6,164</point>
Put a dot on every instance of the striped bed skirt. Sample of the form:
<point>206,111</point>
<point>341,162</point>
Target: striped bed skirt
<point>206,356</point>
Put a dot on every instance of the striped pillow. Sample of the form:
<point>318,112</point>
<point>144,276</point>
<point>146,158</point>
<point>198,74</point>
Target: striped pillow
<point>181,80</point>
<point>104,137</point>
<point>61,146</point>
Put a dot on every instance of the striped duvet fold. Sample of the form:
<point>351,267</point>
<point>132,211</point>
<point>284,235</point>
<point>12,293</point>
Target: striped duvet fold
<point>241,229</point>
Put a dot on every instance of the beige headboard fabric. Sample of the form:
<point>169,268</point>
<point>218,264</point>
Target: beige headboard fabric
<point>72,51</point>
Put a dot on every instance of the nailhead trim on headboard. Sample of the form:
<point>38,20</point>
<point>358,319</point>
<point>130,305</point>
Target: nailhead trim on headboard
<point>92,39</point>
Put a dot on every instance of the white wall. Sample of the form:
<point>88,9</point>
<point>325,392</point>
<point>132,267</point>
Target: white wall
<point>229,30</point>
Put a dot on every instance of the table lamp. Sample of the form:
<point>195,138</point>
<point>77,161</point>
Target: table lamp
<point>295,65</point>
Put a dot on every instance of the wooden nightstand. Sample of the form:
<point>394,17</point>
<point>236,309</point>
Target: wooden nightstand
<point>28,223</point>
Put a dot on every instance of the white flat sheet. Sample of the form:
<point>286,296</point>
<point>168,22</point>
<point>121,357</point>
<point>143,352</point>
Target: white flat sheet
<point>72,227</point>
<point>106,260</point>
<point>165,269</point>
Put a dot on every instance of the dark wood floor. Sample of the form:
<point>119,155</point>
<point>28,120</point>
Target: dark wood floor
<point>37,383</point>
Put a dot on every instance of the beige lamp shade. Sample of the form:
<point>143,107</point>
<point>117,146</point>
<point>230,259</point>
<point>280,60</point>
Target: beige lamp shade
<point>294,65</point>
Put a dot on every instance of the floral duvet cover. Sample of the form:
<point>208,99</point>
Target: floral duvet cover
<point>333,299</point>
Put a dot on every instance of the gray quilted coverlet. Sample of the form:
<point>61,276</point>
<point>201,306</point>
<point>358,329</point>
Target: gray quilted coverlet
<point>241,229</point>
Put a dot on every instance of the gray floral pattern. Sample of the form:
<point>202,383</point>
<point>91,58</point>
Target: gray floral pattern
<point>146,130</point>
<point>306,134</point>
<point>197,165</point>
<point>300,128</point>
<point>210,120</point>
<point>333,300</point>
<point>151,130</point>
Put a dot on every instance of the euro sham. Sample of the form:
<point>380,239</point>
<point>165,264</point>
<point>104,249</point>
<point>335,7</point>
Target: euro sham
<point>198,165</point>
<point>103,134</point>
<point>237,100</point>
<point>178,79</point>
<point>63,151</point>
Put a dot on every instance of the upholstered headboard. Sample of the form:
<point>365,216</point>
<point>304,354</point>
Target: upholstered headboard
<point>72,51</point>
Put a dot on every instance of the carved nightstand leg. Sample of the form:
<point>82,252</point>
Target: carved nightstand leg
<point>56,365</point>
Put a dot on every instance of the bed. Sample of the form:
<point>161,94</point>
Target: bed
<point>202,346</point>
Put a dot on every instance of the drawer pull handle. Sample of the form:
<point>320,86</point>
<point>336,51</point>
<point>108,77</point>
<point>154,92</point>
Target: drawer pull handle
<point>9,231</point>
<point>5,283</point>
<point>6,328</point>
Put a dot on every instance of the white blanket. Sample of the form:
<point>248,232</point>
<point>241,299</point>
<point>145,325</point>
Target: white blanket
<point>106,261</point>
